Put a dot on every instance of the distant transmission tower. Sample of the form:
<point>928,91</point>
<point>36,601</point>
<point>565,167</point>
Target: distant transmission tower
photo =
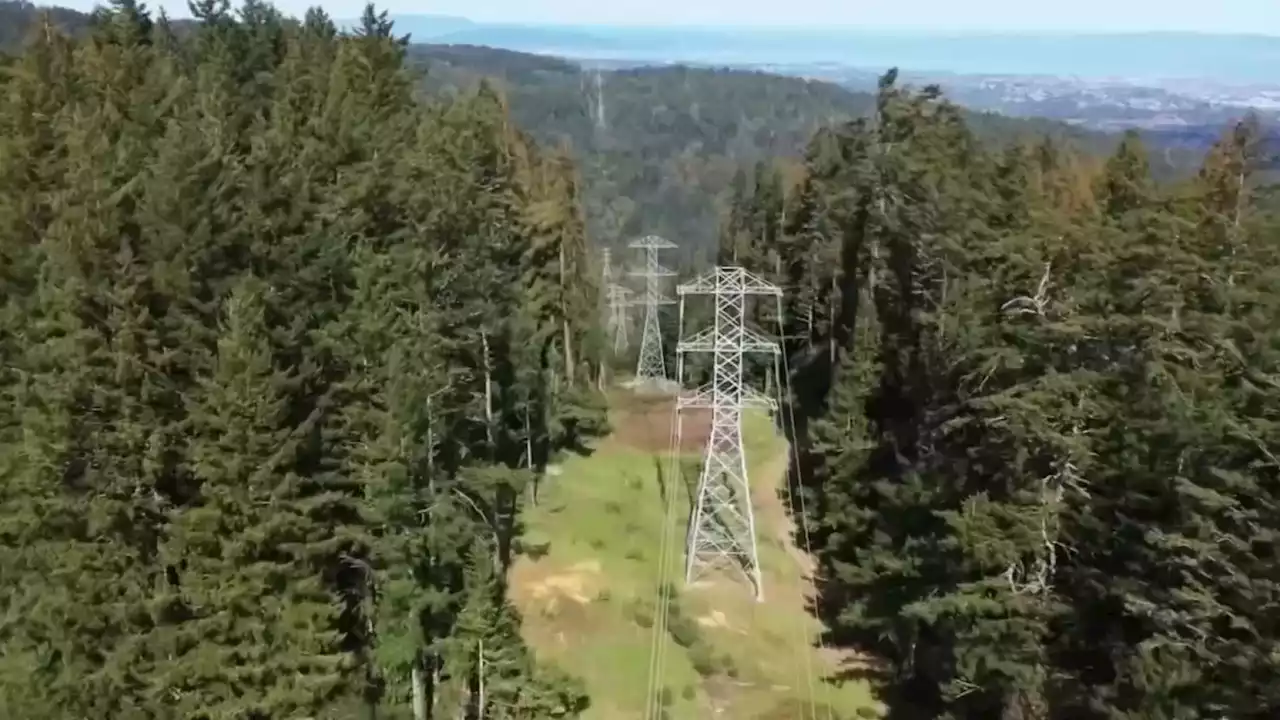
<point>722,528</point>
<point>619,298</point>
<point>651,368</point>
<point>619,301</point>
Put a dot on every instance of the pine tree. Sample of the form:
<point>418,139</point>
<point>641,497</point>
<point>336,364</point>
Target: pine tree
<point>1027,499</point>
<point>36,88</point>
<point>261,435</point>
<point>932,512</point>
<point>500,678</point>
<point>107,365</point>
<point>255,632</point>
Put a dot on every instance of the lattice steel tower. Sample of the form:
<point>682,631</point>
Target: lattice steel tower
<point>619,299</point>
<point>651,367</point>
<point>722,527</point>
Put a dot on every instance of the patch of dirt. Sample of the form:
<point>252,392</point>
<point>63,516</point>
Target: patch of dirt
<point>771,500</point>
<point>556,602</point>
<point>546,588</point>
<point>721,692</point>
<point>645,423</point>
<point>716,619</point>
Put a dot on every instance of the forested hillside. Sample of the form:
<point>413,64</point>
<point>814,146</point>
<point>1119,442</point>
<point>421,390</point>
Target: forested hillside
<point>1037,418</point>
<point>662,148</point>
<point>658,148</point>
<point>281,350</point>
<point>16,17</point>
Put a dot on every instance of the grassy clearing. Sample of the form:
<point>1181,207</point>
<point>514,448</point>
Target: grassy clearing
<point>589,601</point>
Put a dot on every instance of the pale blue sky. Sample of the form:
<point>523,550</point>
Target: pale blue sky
<point>1247,16</point>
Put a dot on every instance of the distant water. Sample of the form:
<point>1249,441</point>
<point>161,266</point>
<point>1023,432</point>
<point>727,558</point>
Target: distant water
<point>1224,58</point>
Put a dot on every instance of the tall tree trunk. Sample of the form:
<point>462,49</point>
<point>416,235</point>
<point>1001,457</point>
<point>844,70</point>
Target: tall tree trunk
<point>528,455</point>
<point>423,689</point>
<point>488,395</point>
<point>833,318</point>
<point>570,373</point>
<point>480,674</point>
<point>419,692</point>
<point>564,315</point>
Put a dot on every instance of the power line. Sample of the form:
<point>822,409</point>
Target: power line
<point>663,597</point>
<point>651,368</point>
<point>722,527</point>
<point>796,504</point>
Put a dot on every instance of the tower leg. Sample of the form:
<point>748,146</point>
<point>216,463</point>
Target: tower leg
<point>722,530</point>
<point>651,365</point>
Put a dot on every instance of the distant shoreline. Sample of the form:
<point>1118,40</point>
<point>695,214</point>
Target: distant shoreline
<point>1239,59</point>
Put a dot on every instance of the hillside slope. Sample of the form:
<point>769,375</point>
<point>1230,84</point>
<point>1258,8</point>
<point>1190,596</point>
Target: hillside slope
<point>18,16</point>
<point>587,585</point>
<point>658,147</point>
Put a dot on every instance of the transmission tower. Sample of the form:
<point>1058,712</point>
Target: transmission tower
<point>619,299</point>
<point>722,527</point>
<point>651,368</point>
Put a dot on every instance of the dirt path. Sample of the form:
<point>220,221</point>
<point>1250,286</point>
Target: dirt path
<point>644,423</point>
<point>770,496</point>
<point>775,519</point>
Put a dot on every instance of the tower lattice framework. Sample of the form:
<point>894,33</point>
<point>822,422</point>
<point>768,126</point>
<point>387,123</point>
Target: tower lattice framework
<point>618,297</point>
<point>722,527</point>
<point>651,367</point>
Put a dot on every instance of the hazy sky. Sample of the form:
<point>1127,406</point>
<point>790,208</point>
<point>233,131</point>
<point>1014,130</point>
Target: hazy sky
<point>1256,16</point>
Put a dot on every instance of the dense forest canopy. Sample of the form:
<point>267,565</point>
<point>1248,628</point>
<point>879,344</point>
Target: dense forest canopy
<point>1036,416</point>
<point>290,335</point>
<point>282,351</point>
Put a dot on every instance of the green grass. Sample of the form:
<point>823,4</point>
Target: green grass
<point>589,603</point>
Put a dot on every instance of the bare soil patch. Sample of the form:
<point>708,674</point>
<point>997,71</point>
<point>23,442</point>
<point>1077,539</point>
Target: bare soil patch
<point>645,423</point>
<point>538,584</point>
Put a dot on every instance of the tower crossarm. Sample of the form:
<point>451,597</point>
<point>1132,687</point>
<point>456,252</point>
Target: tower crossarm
<point>704,398</point>
<point>728,281</point>
<point>740,339</point>
<point>654,242</point>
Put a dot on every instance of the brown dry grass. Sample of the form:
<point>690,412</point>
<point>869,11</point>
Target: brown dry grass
<point>644,423</point>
